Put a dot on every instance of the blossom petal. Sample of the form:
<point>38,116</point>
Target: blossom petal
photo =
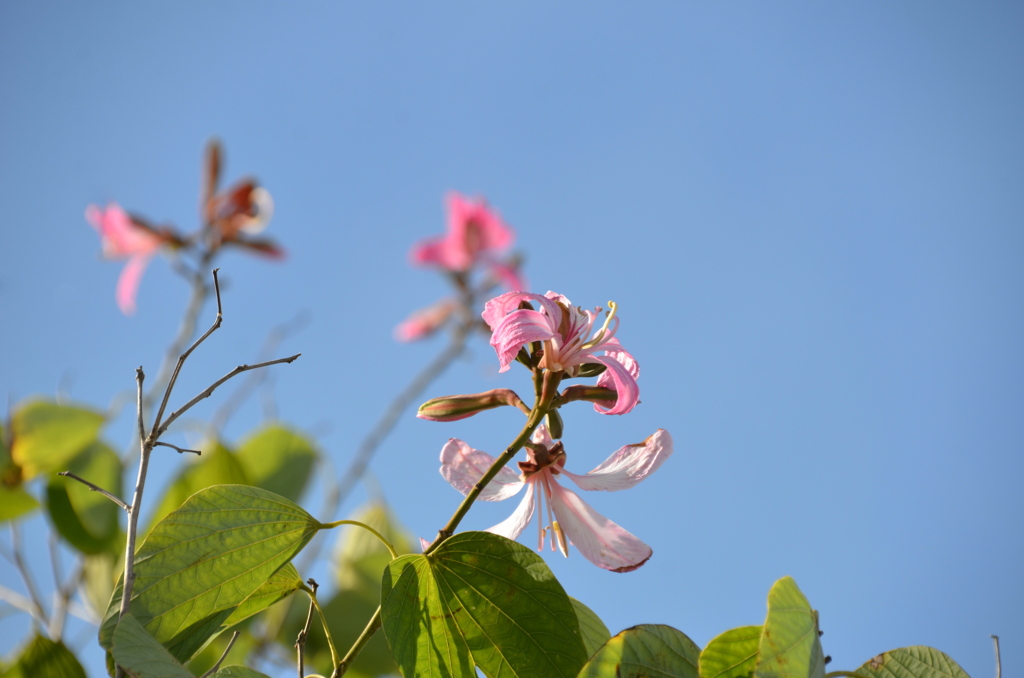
<point>425,321</point>
<point>500,306</point>
<point>463,467</point>
<point>508,275</point>
<point>618,377</point>
<point>628,466</point>
<point>128,283</point>
<point>517,329</point>
<point>513,526</point>
<point>491,233</point>
<point>601,541</point>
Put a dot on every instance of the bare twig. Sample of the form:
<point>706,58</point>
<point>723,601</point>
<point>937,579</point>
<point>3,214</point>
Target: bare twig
<point>999,661</point>
<point>216,667</point>
<point>65,591</point>
<point>37,612</point>
<point>96,488</point>
<point>208,391</point>
<point>184,356</point>
<point>179,449</point>
<point>270,345</point>
<point>145,447</point>
<point>300,642</point>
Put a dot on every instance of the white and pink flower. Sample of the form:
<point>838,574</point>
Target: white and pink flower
<point>565,333</point>
<point>567,518</point>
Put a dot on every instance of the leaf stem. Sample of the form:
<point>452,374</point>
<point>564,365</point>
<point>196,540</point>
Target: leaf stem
<point>223,656</point>
<point>378,535</point>
<point>323,620</point>
<point>371,628</point>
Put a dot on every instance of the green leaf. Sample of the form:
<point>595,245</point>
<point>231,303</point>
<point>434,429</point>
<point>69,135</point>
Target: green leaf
<point>15,502</point>
<point>238,672</point>
<point>101,573</point>
<point>789,644</point>
<point>479,598</point>
<point>595,633</point>
<point>361,557</point>
<point>87,520</point>
<point>137,651</point>
<point>43,658</point>
<point>732,654</point>
<point>217,466</point>
<point>205,559</point>
<point>645,651</point>
<point>46,436</point>
<point>912,662</point>
<point>278,459</point>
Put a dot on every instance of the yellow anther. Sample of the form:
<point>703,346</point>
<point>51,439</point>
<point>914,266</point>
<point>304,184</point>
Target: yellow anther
<point>563,545</point>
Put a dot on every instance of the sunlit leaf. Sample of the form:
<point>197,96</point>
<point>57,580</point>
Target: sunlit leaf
<point>43,658</point>
<point>789,647</point>
<point>217,466</point>
<point>732,654</point>
<point>46,436</point>
<point>15,502</point>
<point>646,651</point>
<point>86,519</point>
<point>205,559</point>
<point>278,459</point>
<point>595,633</point>
<point>481,599</point>
<point>912,662</point>
<point>139,652</point>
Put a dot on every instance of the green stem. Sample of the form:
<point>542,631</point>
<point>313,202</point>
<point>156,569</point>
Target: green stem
<point>387,544</point>
<point>843,674</point>
<point>371,628</point>
<point>323,622</point>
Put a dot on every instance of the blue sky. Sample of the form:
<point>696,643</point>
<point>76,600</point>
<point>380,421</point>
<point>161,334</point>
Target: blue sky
<point>810,215</point>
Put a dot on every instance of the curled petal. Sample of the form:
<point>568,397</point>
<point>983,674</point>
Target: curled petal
<point>619,378</point>
<point>517,329</point>
<point>601,541</point>
<point>128,283</point>
<point>628,466</point>
<point>463,467</point>
<point>513,526</point>
<point>500,306</point>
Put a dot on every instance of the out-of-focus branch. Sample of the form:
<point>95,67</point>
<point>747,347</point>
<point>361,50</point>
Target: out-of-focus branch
<point>999,661</point>
<point>18,558</point>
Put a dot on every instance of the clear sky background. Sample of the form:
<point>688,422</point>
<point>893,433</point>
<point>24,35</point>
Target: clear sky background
<point>811,216</point>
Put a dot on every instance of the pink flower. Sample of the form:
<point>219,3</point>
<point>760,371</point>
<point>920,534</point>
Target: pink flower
<point>425,321</point>
<point>475,234</point>
<point>563,330</point>
<point>122,237</point>
<point>601,541</point>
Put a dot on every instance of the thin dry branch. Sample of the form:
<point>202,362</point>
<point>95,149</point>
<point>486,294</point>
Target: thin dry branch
<point>96,488</point>
<point>300,642</point>
<point>180,450</point>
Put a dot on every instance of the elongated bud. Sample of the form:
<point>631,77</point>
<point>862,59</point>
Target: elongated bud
<point>455,407</point>
<point>593,394</point>
<point>591,369</point>
<point>555,424</point>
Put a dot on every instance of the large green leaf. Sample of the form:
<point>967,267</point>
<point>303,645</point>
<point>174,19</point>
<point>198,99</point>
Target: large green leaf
<point>15,502</point>
<point>912,662</point>
<point>595,633</point>
<point>46,436</point>
<point>137,651</point>
<point>278,459</point>
<point>207,558</point>
<point>43,658</point>
<point>645,651</point>
<point>87,520</point>
<point>483,599</point>
<point>789,647</point>
<point>217,466</point>
<point>732,654</point>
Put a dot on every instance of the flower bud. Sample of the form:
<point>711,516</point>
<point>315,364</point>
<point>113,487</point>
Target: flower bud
<point>455,407</point>
<point>594,394</point>
<point>555,424</point>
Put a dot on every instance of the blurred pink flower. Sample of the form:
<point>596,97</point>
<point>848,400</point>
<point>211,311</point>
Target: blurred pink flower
<point>425,321</point>
<point>476,233</point>
<point>564,330</point>
<point>601,541</point>
<point>123,237</point>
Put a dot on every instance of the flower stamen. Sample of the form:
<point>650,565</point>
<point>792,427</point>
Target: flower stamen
<point>612,309</point>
